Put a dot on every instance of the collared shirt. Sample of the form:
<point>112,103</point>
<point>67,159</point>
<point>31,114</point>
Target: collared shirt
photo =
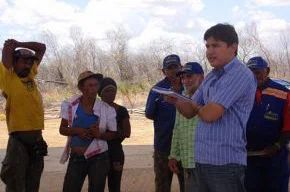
<point>163,116</point>
<point>24,107</point>
<point>182,146</point>
<point>224,141</point>
<point>107,121</point>
<point>269,116</point>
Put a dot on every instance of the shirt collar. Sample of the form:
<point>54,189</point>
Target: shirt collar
<point>228,68</point>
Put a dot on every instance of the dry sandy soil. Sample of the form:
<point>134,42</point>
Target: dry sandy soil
<point>138,174</point>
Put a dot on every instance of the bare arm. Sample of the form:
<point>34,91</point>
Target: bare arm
<point>64,129</point>
<point>7,53</point>
<point>187,109</point>
<point>208,113</point>
<point>211,112</point>
<point>108,135</point>
<point>39,48</point>
<point>126,128</point>
<point>10,45</point>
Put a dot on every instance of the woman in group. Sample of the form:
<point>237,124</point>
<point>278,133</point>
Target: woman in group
<point>107,93</point>
<point>89,123</point>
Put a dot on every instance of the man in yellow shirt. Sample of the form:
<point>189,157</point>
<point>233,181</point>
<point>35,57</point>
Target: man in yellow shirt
<point>23,164</point>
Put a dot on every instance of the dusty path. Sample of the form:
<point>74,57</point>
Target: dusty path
<point>138,174</point>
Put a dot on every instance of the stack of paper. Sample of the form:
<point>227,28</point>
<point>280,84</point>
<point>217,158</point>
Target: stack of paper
<point>165,91</point>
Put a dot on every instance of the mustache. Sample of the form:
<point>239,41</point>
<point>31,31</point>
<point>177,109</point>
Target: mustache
<point>24,73</point>
<point>25,70</point>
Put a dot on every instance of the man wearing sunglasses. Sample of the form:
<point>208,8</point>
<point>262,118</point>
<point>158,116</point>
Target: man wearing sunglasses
<point>23,164</point>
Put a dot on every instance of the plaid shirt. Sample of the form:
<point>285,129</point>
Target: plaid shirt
<point>182,146</point>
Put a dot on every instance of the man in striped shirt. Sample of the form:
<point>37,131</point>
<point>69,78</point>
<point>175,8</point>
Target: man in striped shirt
<point>183,133</point>
<point>223,103</point>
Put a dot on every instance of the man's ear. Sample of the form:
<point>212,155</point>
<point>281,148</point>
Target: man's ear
<point>235,48</point>
<point>79,87</point>
<point>268,71</point>
<point>163,71</point>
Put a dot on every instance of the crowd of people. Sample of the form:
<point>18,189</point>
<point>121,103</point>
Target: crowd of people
<point>230,137</point>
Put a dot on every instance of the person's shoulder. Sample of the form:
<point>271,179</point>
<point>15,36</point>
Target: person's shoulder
<point>72,100</point>
<point>276,85</point>
<point>242,71</point>
<point>162,83</point>
<point>3,69</point>
<point>65,103</point>
<point>101,103</point>
<point>123,109</point>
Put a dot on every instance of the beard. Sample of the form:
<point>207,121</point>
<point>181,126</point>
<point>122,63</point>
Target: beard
<point>23,73</point>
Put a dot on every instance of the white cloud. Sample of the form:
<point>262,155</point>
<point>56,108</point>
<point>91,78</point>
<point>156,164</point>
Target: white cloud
<point>258,15</point>
<point>273,25</point>
<point>273,3</point>
<point>164,11</point>
<point>240,25</point>
<point>3,5</point>
<point>143,19</point>
<point>199,23</point>
<point>36,12</point>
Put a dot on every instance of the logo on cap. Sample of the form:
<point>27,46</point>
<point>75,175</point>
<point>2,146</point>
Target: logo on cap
<point>171,60</point>
<point>257,63</point>
<point>191,68</point>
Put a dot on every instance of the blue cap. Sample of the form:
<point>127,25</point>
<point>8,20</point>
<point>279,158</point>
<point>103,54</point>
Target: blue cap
<point>191,68</point>
<point>257,63</point>
<point>171,60</point>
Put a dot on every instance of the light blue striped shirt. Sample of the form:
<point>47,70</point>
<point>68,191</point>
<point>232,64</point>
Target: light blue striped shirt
<point>224,141</point>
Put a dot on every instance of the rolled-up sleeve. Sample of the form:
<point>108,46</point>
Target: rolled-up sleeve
<point>64,110</point>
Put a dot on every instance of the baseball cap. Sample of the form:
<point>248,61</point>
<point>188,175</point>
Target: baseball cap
<point>87,74</point>
<point>191,68</point>
<point>25,54</point>
<point>171,60</point>
<point>257,63</point>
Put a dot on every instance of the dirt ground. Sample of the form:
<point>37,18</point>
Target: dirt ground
<point>138,173</point>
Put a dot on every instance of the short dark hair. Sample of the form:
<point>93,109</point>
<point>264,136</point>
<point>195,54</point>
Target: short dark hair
<point>223,32</point>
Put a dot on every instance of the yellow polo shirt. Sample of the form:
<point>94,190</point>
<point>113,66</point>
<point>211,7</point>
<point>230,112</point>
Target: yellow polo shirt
<point>24,107</point>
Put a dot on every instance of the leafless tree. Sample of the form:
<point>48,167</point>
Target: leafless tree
<point>118,40</point>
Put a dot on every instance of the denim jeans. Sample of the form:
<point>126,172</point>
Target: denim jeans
<point>220,178</point>
<point>95,167</point>
<point>163,175</point>
<point>190,180</point>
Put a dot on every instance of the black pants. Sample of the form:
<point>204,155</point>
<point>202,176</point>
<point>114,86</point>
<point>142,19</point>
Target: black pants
<point>21,171</point>
<point>163,175</point>
<point>117,159</point>
<point>79,167</point>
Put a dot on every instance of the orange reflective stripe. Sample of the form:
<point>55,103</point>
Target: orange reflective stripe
<point>275,92</point>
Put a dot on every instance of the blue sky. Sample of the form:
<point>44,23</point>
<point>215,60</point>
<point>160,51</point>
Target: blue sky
<point>145,20</point>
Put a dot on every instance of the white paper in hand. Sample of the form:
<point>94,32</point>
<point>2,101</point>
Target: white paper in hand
<point>165,91</point>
